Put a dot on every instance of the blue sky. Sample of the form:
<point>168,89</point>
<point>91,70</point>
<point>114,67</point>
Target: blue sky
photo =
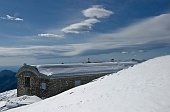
<point>55,31</point>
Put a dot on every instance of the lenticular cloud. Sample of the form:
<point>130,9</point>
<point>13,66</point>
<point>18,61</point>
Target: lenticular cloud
<point>97,11</point>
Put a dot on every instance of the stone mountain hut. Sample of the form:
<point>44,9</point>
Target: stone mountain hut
<point>48,80</point>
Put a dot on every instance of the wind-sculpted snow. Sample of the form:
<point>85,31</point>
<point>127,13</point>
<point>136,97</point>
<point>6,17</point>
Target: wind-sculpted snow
<point>9,100</point>
<point>8,94</point>
<point>142,88</point>
<point>5,96</point>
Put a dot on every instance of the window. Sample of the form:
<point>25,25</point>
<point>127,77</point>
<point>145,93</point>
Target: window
<point>27,81</point>
<point>77,83</point>
<point>43,86</point>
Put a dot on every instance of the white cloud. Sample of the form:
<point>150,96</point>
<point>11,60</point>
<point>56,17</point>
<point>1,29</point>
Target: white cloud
<point>49,35</point>
<point>83,26</point>
<point>86,25</point>
<point>140,51</point>
<point>33,50</point>
<point>93,13</point>
<point>154,30</point>
<point>10,18</point>
<point>150,31</point>
<point>97,11</point>
<point>124,52</point>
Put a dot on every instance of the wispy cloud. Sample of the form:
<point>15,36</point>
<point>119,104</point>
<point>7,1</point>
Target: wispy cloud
<point>92,16</point>
<point>124,52</point>
<point>97,11</point>
<point>150,32</point>
<point>33,50</point>
<point>147,33</point>
<point>83,26</point>
<point>140,51</point>
<point>49,35</point>
<point>11,18</point>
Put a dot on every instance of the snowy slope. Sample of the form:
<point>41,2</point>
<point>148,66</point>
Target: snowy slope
<point>20,101</point>
<point>10,100</point>
<point>5,96</point>
<point>8,94</point>
<point>142,88</point>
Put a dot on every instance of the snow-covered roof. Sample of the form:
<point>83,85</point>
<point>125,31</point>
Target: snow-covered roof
<point>82,68</point>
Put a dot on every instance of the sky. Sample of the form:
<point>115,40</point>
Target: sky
<point>56,31</point>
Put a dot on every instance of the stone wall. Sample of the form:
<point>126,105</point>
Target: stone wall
<point>32,72</point>
<point>34,84</point>
<point>61,84</point>
<point>51,85</point>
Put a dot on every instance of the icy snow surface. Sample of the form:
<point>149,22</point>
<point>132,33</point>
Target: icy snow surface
<point>10,100</point>
<point>142,88</point>
<point>8,94</point>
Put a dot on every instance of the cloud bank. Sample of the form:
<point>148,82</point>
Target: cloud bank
<point>11,18</point>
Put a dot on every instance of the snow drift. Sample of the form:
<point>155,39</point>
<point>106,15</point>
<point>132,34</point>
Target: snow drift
<point>8,94</point>
<point>142,88</point>
<point>10,100</point>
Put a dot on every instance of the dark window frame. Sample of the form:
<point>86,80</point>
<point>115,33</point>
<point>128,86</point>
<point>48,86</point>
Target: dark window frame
<point>27,81</point>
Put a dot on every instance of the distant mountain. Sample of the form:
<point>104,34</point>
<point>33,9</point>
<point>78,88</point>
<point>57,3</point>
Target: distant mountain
<point>12,68</point>
<point>8,80</point>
